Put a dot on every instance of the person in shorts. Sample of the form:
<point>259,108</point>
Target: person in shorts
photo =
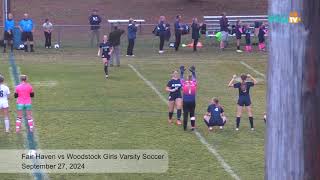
<point>8,33</point>
<point>26,28</point>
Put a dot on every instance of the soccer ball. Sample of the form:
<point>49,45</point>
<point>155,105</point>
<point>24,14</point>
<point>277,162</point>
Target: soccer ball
<point>56,46</point>
<point>21,46</point>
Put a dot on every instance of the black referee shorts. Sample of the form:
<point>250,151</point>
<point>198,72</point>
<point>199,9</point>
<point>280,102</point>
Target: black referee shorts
<point>26,36</point>
<point>8,36</point>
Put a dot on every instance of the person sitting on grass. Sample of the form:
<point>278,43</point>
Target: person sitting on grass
<point>215,115</point>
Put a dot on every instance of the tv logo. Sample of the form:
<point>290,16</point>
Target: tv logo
<point>294,18</point>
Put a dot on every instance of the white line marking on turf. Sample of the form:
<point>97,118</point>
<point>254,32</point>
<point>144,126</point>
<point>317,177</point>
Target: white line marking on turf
<point>211,149</point>
<point>251,68</point>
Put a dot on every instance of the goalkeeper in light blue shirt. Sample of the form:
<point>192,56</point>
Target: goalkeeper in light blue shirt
<point>26,27</point>
<point>8,32</point>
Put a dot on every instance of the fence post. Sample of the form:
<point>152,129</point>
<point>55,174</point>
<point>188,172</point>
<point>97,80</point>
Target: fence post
<point>292,146</point>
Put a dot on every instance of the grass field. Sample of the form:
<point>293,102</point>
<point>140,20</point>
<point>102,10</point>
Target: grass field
<point>77,108</point>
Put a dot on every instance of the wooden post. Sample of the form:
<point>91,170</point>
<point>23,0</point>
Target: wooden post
<point>292,148</point>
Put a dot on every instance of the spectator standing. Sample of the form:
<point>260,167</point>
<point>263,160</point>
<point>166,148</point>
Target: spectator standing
<point>178,32</point>
<point>195,33</point>
<point>95,21</point>
<point>114,38</point>
<point>47,28</point>
<point>8,32</point>
<point>26,27</point>
<point>132,34</point>
<point>224,30</point>
<point>162,29</point>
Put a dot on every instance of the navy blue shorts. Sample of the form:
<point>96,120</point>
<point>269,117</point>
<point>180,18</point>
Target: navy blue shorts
<point>244,101</point>
<point>174,97</point>
<point>213,122</point>
<point>238,35</point>
<point>107,56</point>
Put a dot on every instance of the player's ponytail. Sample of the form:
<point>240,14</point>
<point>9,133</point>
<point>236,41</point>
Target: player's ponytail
<point>243,82</point>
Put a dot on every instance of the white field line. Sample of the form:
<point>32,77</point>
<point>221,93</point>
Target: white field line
<point>210,148</point>
<point>252,69</point>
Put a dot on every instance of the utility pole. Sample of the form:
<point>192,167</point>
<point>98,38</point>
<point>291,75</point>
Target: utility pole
<point>292,146</point>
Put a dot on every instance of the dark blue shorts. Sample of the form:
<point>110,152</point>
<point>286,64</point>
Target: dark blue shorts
<point>107,56</point>
<point>174,97</point>
<point>213,122</point>
<point>238,35</point>
<point>244,101</point>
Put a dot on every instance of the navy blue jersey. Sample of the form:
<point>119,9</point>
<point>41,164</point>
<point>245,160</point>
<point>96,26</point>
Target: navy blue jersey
<point>106,47</point>
<point>244,88</point>
<point>215,111</point>
<point>172,84</point>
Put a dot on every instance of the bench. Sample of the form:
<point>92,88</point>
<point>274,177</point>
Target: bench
<point>213,22</point>
<point>114,22</point>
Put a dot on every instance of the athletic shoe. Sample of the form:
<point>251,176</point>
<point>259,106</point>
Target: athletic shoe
<point>239,51</point>
<point>237,129</point>
<point>161,52</point>
<point>221,127</point>
<point>7,131</point>
<point>170,121</point>
<point>210,128</point>
<point>132,55</point>
<point>252,129</point>
<point>107,76</point>
<point>193,128</point>
<point>127,55</point>
<point>178,122</point>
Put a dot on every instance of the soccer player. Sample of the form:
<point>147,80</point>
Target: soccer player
<point>105,50</point>
<point>215,115</point>
<point>8,32</point>
<point>239,31</point>
<point>26,27</point>
<point>247,32</point>
<point>262,32</point>
<point>175,98</point>
<point>24,93</point>
<point>189,89</point>
<point>244,96</point>
<point>4,105</point>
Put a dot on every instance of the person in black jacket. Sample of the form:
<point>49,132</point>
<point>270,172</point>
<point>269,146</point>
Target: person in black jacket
<point>224,23</point>
<point>162,29</point>
<point>178,32</point>
<point>195,33</point>
<point>114,38</point>
<point>132,33</point>
<point>95,21</point>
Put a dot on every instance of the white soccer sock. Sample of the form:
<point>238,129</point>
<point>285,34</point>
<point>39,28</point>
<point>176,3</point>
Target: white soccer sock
<point>7,123</point>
